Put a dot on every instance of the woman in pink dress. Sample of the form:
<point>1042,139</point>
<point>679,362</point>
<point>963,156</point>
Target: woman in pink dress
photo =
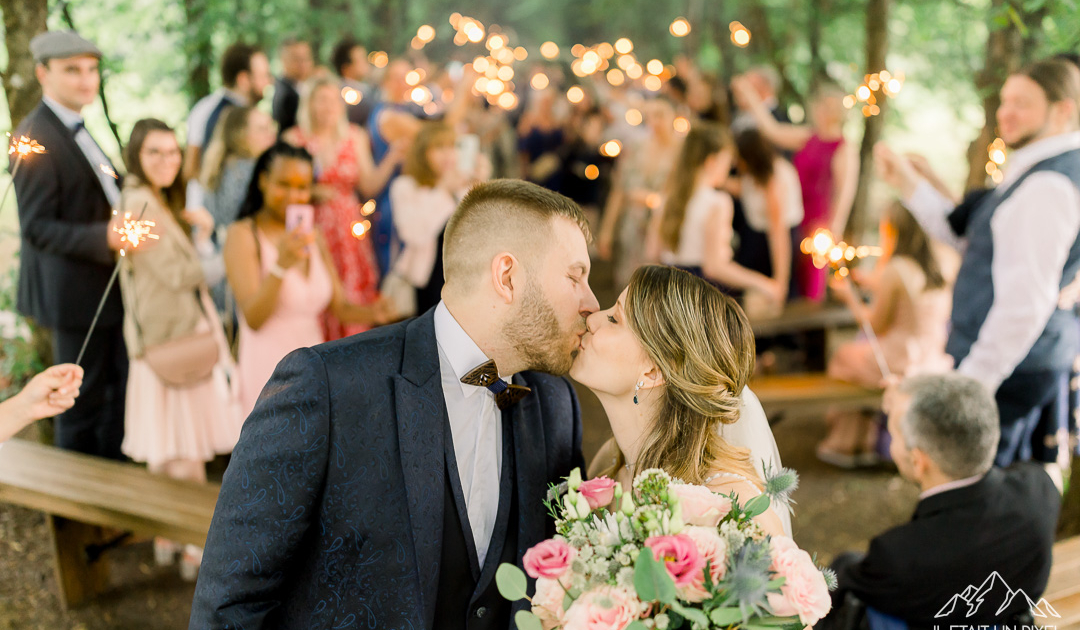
<point>827,165</point>
<point>284,280</point>
<point>344,168</point>
<point>911,297</point>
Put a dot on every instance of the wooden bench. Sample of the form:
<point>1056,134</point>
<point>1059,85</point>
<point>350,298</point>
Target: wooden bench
<point>1063,589</point>
<point>82,494</point>
<point>804,315</point>
<point>810,393</point>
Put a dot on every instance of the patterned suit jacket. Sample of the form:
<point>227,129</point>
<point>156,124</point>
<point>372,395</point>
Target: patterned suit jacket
<point>330,513</point>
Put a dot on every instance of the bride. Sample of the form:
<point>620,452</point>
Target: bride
<point>669,363</point>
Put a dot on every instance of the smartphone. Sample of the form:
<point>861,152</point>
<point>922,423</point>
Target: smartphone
<point>300,216</point>
<point>468,150</point>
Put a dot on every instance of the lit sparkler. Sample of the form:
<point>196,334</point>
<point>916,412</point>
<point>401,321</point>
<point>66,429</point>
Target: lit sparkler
<point>22,148</point>
<point>134,232</point>
<point>826,251</point>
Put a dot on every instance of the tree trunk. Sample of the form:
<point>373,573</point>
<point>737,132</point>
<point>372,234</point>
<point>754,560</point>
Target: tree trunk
<point>1004,54</point>
<point>23,19</point>
<point>814,22</point>
<point>200,53</point>
<point>877,44</point>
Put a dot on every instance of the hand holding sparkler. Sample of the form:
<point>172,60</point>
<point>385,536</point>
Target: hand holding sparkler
<point>126,233</point>
<point>21,148</point>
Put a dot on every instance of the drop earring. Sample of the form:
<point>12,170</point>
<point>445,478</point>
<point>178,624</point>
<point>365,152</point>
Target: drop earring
<point>637,388</point>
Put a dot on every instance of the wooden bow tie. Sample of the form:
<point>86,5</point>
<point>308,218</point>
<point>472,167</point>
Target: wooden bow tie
<point>487,375</point>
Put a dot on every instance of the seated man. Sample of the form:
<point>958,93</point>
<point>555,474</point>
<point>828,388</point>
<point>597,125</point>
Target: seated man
<point>980,534</point>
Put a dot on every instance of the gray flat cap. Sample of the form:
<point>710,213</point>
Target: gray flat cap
<point>61,45</point>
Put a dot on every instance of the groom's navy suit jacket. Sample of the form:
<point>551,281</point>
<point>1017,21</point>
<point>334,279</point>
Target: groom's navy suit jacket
<point>331,511</point>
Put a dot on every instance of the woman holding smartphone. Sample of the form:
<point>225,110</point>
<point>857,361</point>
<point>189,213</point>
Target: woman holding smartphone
<point>281,271</point>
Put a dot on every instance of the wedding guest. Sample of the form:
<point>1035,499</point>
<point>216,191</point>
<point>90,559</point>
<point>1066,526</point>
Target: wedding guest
<point>828,167</point>
<point>765,81</point>
<point>540,135</point>
<point>49,393</point>
<point>771,197</point>
<point>974,521</point>
<point>344,168</point>
<point>425,196</point>
<point>910,298</point>
<point>67,244</point>
<point>242,136</point>
<point>283,280</point>
<point>640,175</point>
<point>585,171</point>
<point>173,427</point>
<point>694,231</point>
<point>245,75</point>
<point>1008,330</point>
<point>392,128</point>
<point>297,66</point>
<point>670,362</point>
<point>349,60</point>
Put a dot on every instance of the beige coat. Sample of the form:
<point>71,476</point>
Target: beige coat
<point>160,284</point>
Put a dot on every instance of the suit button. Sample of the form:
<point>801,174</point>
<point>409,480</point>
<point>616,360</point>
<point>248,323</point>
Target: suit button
<point>480,612</point>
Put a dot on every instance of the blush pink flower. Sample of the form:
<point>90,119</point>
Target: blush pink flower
<point>701,506</point>
<point>598,492</point>
<point>804,592</point>
<point>547,603</point>
<point>680,555</point>
<point>550,559</point>
<point>603,608</point>
<point>713,550</point>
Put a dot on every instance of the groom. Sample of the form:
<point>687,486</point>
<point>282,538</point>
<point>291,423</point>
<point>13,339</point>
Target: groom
<point>381,479</point>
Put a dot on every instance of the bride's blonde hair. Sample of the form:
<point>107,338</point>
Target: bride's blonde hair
<point>701,342</point>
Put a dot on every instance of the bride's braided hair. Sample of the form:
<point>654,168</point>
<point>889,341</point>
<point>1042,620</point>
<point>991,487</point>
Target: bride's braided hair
<point>702,343</point>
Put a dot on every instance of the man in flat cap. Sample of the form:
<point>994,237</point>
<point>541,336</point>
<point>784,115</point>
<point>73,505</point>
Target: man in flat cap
<point>65,197</point>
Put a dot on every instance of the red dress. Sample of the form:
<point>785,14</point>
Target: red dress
<point>353,258</point>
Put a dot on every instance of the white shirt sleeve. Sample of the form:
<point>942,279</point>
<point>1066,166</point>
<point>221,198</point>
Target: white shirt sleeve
<point>931,209</point>
<point>1033,231</point>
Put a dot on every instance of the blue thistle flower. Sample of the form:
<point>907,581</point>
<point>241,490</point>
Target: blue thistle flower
<point>780,484</point>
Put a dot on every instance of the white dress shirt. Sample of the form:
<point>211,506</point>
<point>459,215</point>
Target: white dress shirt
<point>90,149</point>
<point>476,426</point>
<point>1033,231</point>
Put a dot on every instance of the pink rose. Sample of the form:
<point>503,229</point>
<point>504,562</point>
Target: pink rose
<point>804,592</point>
<point>701,506</point>
<point>547,603</point>
<point>680,555</point>
<point>599,492</point>
<point>714,550</point>
<point>549,559</point>
<point>603,608</point>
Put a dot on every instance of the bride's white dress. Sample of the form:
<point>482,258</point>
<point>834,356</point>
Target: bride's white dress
<point>752,431</point>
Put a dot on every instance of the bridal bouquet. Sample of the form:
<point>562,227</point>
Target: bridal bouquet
<point>662,556</point>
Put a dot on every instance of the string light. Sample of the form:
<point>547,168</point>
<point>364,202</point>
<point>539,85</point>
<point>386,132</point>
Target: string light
<point>611,148</point>
<point>426,33</point>
<point>360,229</point>
<point>655,66</point>
<point>740,35</point>
<point>549,50</point>
<point>539,81</point>
<point>351,96</point>
<point>633,117</point>
<point>368,208</point>
<point>592,172</point>
<point>575,94</point>
<point>996,157</point>
<point>681,125</point>
<point>623,45</point>
<point>680,27</point>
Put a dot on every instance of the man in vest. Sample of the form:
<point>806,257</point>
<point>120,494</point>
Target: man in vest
<point>1020,248</point>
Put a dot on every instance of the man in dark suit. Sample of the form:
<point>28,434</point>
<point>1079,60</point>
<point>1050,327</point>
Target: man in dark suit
<point>382,479</point>
<point>297,65</point>
<point>65,198</point>
<point>978,533</point>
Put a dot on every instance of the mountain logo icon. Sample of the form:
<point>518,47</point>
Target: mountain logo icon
<point>993,590</point>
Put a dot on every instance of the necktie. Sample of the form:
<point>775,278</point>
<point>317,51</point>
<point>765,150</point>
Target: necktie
<point>487,375</point>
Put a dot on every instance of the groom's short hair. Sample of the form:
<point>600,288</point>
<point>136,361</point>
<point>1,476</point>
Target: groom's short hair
<point>503,215</point>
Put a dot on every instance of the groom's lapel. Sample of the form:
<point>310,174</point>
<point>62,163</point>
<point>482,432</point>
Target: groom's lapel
<point>530,462</point>
<point>421,419</point>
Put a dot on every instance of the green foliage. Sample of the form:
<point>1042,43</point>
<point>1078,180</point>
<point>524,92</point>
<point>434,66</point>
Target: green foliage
<point>651,580</point>
<point>511,582</point>
<point>19,360</point>
<point>525,620</point>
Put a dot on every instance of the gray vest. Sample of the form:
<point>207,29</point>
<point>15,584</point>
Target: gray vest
<point>1059,343</point>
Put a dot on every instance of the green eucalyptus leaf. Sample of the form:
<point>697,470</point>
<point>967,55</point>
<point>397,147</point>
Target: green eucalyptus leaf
<point>693,615</point>
<point>637,625</point>
<point>756,506</point>
<point>511,582</point>
<point>726,616</point>
<point>525,620</point>
<point>651,579</point>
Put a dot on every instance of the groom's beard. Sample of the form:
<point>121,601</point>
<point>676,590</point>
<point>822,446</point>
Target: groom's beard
<point>536,333</point>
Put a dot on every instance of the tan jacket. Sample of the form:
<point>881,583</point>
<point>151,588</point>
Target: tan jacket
<point>160,284</point>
